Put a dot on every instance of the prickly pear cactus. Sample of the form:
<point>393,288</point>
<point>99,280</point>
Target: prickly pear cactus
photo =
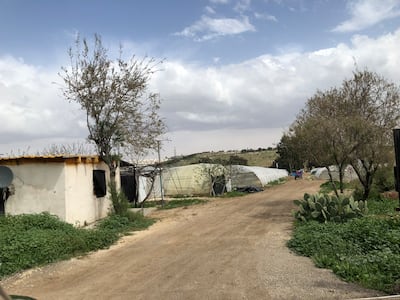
<point>325,208</point>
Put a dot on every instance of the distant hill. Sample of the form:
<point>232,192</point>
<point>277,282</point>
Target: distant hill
<point>259,157</point>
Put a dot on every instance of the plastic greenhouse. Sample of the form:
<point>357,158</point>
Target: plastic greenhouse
<point>197,179</point>
<point>242,176</point>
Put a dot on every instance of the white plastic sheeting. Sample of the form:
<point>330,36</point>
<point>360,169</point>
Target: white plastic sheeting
<point>254,176</point>
<point>145,187</point>
<point>322,173</point>
<point>145,184</point>
<point>195,179</point>
<point>189,180</point>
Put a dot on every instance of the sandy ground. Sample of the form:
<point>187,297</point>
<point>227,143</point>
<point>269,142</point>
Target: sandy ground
<point>226,249</point>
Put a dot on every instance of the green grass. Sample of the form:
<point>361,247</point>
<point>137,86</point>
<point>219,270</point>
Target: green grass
<point>28,241</point>
<point>383,207</point>
<point>182,203</point>
<point>169,204</point>
<point>327,186</point>
<point>276,182</point>
<point>364,250</point>
<point>233,194</point>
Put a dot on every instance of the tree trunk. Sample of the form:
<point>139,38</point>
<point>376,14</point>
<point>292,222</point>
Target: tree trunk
<point>341,176</point>
<point>332,182</point>
<point>367,185</point>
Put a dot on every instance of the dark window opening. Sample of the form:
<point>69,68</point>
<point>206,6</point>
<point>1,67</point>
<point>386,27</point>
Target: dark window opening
<point>128,185</point>
<point>99,183</point>
<point>218,184</point>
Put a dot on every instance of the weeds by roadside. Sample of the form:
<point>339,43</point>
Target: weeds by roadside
<point>170,204</point>
<point>233,194</point>
<point>364,250</point>
<point>28,241</point>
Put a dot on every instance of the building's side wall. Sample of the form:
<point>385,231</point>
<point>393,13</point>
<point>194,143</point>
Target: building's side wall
<point>82,205</point>
<point>38,188</point>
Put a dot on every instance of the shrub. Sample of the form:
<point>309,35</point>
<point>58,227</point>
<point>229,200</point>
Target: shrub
<point>119,201</point>
<point>364,250</point>
<point>384,179</point>
<point>27,241</point>
<point>383,207</point>
<point>324,208</point>
<point>327,186</point>
<point>130,221</point>
<point>383,182</point>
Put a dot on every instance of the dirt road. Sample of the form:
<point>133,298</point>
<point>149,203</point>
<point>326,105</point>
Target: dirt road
<point>226,249</point>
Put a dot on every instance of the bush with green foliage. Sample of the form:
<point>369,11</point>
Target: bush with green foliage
<point>384,179</point>
<point>374,194</point>
<point>119,201</point>
<point>324,208</point>
<point>364,250</point>
<point>328,186</point>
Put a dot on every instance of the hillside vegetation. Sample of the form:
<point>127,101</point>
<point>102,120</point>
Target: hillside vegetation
<point>260,157</point>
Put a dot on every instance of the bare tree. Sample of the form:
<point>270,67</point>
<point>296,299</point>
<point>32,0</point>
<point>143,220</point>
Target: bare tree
<point>121,114</point>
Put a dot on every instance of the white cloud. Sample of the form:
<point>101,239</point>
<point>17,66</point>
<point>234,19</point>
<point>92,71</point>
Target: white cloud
<point>209,10</point>
<point>219,1</point>
<point>208,28</point>
<point>265,17</point>
<point>242,5</point>
<point>366,13</point>
<point>205,107</point>
<point>31,105</point>
<point>264,92</point>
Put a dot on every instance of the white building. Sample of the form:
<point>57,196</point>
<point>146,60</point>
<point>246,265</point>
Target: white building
<point>72,187</point>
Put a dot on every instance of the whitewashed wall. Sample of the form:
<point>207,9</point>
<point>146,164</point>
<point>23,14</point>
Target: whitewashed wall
<point>38,188</point>
<point>64,189</point>
<point>82,206</point>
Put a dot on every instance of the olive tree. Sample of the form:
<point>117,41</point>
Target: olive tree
<point>352,125</point>
<point>327,124</point>
<point>121,114</point>
<point>289,150</point>
<point>374,103</point>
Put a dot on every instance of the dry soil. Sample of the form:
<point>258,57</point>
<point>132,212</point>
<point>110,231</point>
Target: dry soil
<point>226,249</point>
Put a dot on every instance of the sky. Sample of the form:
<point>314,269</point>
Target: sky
<point>235,73</point>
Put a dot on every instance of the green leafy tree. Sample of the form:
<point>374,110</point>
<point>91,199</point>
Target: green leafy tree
<point>375,106</point>
<point>328,126</point>
<point>289,152</point>
<point>351,124</point>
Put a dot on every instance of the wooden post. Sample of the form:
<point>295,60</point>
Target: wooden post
<point>396,137</point>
